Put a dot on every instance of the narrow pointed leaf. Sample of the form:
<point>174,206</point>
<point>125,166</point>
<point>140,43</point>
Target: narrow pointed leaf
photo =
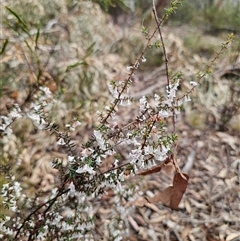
<point>4,46</point>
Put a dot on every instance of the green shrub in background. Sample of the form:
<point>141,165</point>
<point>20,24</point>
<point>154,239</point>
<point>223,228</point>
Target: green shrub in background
<point>216,15</point>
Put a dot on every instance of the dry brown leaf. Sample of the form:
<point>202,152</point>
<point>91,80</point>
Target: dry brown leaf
<point>140,202</point>
<point>232,236</point>
<point>168,168</point>
<point>185,232</point>
<point>171,166</point>
<point>171,196</point>
<point>150,171</point>
<point>108,195</point>
<point>164,196</point>
<point>133,223</point>
<point>179,187</point>
<point>187,206</point>
<point>156,168</point>
<point>212,238</point>
<point>223,173</point>
<point>226,138</point>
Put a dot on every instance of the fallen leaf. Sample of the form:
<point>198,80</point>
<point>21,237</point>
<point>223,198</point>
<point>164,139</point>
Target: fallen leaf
<point>140,202</point>
<point>232,236</point>
<point>171,196</point>
<point>164,196</point>
<point>133,223</point>
<point>223,173</point>
<point>185,232</point>
<point>228,139</point>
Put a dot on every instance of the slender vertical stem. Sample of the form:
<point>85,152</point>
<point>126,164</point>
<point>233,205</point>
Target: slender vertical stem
<point>162,42</point>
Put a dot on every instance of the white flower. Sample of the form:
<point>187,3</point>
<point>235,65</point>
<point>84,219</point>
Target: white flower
<point>125,102</point>
<point>17,189</point>
<point>98,160</point>
<point>129,67</point>
<point>136,156</point>
<point>148,149</point>
<point>143,104</point>
<point>187,98</point>
<point>72,189</point>
<point>171,91</point>
<point>99,139</point>
<point>144,59</point>
<point>70,159</point>
<point>113,91</point>
<point>164,113</point>
<point>179,103</point>
<point>73,126</point>
<point>61,142</point>
<point>161,155</point>
<point>41,235</point>
<point>194,83</point>
<point>107,108</point>
<point>15,113</point>
<point>37,120</point>
<point>46,91</point>
<point>85,168</point>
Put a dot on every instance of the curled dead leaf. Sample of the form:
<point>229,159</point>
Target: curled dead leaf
<point>169,167</point>
<point>156,168</point>
<point>151,170</point>
<point>180,183</point>
<point>163,197</point>
<point>171,196</point>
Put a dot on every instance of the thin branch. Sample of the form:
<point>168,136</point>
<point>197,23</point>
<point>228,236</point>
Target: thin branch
<point>162,42</point>
<point>50,202</point>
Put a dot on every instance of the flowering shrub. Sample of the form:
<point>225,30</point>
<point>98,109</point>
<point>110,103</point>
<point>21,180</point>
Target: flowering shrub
<point>67,212</point>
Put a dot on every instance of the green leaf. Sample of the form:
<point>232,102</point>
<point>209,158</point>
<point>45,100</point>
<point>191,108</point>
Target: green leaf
<point>37,36</point>
<point>4,46</point>
<point>21,23</point>
<point>69,67</point>
<point>90,50</point>
<point>29,47</point>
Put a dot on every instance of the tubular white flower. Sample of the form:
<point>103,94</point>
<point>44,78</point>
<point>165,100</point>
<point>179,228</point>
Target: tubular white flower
<point>100,140</point>
<point>144,59</point>
<point>125,102</point>
<point>164,113</point>
<point>129,67</point>
<point>187,98</point>
<point>85,168</point>
<point>193,83</point>
<point>143,104</point>
<point>113,91</point>
<point>61,142</point>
